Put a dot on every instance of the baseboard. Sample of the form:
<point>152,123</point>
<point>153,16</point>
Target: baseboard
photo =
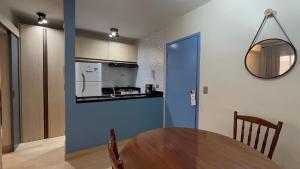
<point>80,153</point>
<point>84,152</point>
<point>7,149</point>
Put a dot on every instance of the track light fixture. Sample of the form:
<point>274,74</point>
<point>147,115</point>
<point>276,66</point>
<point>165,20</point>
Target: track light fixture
<point>42,18</point>
<point>114,33</point>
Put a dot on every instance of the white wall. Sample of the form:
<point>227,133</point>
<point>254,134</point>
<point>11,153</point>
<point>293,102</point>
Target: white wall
<point>151,60</point>
<point>227,29</point>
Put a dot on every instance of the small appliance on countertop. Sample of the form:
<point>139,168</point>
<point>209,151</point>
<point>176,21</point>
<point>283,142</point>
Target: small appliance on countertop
<point>149,88</point>
<point>151,91</point>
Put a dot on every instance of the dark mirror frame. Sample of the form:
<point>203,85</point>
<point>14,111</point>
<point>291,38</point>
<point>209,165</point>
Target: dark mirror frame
<point>293,47</point>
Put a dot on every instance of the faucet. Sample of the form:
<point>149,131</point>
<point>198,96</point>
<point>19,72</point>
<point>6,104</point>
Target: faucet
<point>114,91</point>
<point>112,86</point>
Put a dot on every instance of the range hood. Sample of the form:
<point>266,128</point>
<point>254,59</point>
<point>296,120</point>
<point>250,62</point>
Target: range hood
<point>110,62</point>
<point>124,65</point>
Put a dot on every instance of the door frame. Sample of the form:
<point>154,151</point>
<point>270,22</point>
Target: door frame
<point>198,36</point>
<point>13,95</point>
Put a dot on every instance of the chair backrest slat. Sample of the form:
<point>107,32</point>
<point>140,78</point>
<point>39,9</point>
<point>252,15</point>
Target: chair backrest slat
<point>113,140</point>
<point>260,122</point>
<point>257,137</point>
<point>242,135</point>
<point>113,151</point>
<point>263,147</point>
<point>249,135</point>
<point>235,126</point>
<point>275,139</point>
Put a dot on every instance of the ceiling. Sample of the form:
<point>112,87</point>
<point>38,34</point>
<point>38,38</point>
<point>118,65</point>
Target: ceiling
<point>134,18</point>
<point>25,10</point>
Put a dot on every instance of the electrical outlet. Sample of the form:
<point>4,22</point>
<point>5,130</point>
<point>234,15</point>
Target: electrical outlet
<point>205,90</point>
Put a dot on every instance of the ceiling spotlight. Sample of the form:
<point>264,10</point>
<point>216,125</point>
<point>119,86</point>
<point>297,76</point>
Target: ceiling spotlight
<point>114,33</point>
<point>42,18</point>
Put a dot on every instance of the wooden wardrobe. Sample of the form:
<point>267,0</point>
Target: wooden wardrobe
<point>5,87</point>
<point>42,83</point>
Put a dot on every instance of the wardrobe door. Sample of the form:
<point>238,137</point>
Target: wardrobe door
<point>32,97</point>
<point>56,97</point>
<point>5,88</point>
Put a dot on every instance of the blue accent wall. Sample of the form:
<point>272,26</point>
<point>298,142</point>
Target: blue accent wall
<point>89,123</point>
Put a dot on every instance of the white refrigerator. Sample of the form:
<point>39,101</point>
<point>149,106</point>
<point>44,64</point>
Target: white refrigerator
<point>88,79</point>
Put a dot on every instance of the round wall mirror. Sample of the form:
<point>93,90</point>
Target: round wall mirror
<point>271,58</point>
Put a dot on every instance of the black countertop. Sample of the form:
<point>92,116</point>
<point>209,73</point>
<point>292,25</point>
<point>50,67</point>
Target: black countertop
<point>118,97</point>
<point>118,90</point>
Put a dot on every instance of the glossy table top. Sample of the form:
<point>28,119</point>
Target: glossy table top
<point>180,148</point>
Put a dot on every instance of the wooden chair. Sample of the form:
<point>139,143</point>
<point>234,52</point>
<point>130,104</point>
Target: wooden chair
<point>260,122</point>
<point>113,151</point>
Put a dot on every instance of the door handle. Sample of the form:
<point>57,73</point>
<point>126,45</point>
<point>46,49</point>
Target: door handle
<point>193,97</point>
<point>83,83</point>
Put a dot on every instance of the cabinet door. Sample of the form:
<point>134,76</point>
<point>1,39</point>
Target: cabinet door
<point>32,95</point>
<point>122,52</point>
<point>56,97</point>
<point>89,48</point>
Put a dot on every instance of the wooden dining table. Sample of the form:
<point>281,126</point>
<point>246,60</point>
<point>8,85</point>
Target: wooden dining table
<point>182,148</point>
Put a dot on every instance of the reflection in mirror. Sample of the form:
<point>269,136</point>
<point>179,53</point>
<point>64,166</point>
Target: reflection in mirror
<point>270,58</point>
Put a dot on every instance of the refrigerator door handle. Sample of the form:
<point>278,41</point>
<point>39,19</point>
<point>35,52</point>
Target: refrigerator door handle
<point>83,83</point>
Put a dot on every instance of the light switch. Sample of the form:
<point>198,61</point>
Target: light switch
<point>205,90</point>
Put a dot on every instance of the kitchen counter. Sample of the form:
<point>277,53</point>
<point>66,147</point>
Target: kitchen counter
<point>88,123</point>
<point>118,97</point>
<point>120,90</point>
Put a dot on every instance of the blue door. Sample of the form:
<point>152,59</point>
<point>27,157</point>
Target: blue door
<point>182,82</point>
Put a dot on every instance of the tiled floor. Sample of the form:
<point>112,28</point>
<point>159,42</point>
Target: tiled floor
<point>49,154</point>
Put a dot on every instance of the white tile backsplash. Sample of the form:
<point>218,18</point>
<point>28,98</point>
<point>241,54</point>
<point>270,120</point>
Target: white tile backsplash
<point>122,77</point>
<point>151,60</point>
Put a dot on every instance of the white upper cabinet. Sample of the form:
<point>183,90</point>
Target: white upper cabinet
<point>89,48</point>
<point>122,52</point>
